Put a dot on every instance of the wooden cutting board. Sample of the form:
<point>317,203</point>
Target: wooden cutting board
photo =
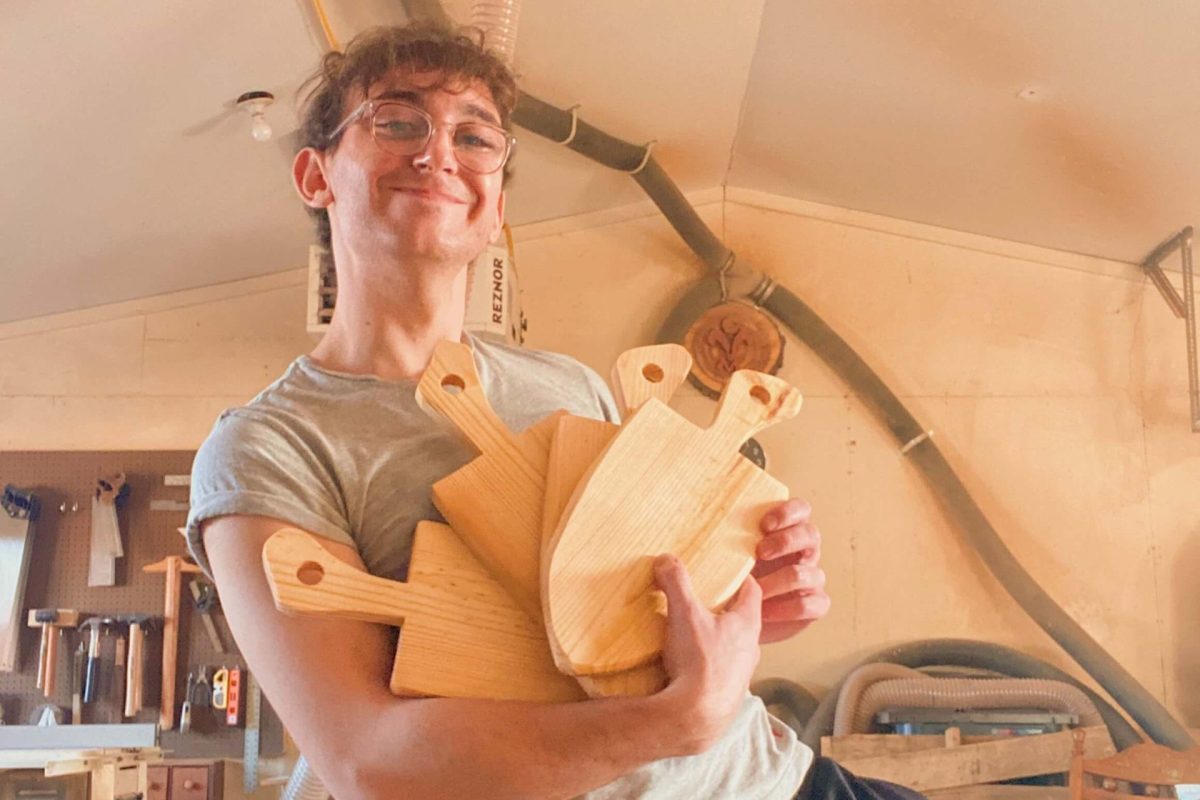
<point>495,503</point>
<point>642,373</point>
<point>661,485</point>
<point>461,634</point>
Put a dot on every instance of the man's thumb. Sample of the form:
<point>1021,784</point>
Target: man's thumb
<point>672,577</point>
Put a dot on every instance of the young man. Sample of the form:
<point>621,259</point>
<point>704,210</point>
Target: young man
<point>407,144</point>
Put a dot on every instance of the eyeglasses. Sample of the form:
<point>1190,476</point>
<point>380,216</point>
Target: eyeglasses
<point>405,130</point>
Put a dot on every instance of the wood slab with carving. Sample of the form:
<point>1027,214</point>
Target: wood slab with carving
<point>730,336</point>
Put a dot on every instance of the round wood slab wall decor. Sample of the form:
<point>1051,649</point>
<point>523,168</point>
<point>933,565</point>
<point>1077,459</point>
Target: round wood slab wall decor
<point>730,336</point>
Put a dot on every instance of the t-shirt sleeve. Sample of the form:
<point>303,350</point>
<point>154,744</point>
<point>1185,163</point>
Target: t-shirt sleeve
<point>252,463</point>
<point>607,406</point>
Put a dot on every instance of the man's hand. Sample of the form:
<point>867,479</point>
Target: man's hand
<point>710,658</point>
<point>793,583</point>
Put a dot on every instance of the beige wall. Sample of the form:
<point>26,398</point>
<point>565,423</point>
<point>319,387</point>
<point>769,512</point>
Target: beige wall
<point>1057,384</point>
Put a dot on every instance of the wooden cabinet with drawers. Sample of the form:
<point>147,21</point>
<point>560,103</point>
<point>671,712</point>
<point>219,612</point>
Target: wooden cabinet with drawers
<point>186,780</point>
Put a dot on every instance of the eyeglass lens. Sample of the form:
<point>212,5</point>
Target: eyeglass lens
<point>404,130</point>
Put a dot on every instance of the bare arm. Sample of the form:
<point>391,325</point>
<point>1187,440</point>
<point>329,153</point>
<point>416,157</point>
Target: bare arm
<point>328,680</point>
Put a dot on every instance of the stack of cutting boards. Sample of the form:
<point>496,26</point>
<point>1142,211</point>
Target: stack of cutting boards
<point>540,587</point>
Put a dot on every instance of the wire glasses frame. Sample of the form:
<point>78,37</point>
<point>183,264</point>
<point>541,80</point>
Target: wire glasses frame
<point>403,129</point>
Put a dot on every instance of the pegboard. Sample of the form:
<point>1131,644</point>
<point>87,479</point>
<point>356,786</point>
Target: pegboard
<point>58,579</point>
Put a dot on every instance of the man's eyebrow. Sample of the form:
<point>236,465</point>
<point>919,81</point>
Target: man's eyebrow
<point>416,98</point>
<point>405,95</point>
<point>482,113</point>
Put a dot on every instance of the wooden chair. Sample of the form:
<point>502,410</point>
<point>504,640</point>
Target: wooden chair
<point>1144,770</point>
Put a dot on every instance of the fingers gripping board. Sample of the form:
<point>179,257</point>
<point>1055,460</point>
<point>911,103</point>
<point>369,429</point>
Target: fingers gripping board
<point>661,485</point>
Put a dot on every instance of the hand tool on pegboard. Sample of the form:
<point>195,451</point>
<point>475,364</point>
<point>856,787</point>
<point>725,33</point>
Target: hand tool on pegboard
<point>173,567</point>
<point>139,626</point>
<point>204,597</point>
<point>220,689</point>
<point>106,545</point>
<point>91,681</point>
<point>203,692</point>
<point>51,621</point>
<point>233,702</point>
<point>16,533</point>
<point>78,659</point>
<point>250,744</point>
<point>185,711</point>
<point>118,677</point>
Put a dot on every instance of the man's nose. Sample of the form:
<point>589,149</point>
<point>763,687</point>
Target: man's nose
<point>438,153</point>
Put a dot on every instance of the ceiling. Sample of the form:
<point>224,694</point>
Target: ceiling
<point>1066,124</point>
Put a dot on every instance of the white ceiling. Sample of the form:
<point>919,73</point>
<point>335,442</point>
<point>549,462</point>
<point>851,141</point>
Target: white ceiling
<point>129,176</point>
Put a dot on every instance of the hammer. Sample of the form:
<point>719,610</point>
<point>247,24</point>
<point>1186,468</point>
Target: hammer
<point>173,567</point>
<point>50,620</point>
<point>91,679</point>
<point>139,625</point>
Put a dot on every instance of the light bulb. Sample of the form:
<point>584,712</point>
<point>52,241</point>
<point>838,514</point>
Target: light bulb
<point>255,104</point>
<point>260,129</point>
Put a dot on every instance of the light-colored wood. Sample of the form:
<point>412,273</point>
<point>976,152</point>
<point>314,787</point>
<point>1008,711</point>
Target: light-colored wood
<point>662,485</point>
<point>63,618</point>
<point>48,653</point>
<point>133,671</point>
<point>869,745</point>
<point>495,503</point>
<point>1000,791</point>
<point>172,567</point>
<point>461,634</point>
<point>1144,763</point>
<point>945,767</point>
<point>655,371</point>
<point>16,545</point>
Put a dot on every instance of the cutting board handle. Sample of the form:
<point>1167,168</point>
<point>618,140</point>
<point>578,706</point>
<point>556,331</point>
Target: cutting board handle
<point>451,387</point>
<point>655,371</point>
<point>751,402</point>
<point>306,578</point>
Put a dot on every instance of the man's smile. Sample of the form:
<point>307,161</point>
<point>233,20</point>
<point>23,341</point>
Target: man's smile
<point>430,194</point>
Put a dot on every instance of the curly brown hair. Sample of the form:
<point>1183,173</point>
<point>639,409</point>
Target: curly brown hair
<point>459,55</point>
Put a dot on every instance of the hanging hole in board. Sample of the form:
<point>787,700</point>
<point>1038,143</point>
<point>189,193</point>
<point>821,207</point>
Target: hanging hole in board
<point>653,373</point>
<point>453,384</point>
<point>760,394</point>
<point>310,573</point>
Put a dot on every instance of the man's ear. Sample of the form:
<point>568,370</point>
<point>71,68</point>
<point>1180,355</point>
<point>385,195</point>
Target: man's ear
<point>308,176</point>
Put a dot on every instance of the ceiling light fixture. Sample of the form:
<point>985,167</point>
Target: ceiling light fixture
<point>256,104</point>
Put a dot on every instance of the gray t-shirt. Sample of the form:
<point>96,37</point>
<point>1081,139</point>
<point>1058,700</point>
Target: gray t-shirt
<point>353,458</point>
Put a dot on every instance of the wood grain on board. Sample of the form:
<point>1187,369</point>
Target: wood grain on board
<point>461,634</point>
<point>661,485</point>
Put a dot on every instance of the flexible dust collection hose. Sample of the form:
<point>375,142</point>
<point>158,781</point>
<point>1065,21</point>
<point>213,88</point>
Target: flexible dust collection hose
<point>976,655</point>
<point>926,692</point>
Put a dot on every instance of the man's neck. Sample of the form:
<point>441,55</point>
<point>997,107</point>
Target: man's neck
<point>389,320</point>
